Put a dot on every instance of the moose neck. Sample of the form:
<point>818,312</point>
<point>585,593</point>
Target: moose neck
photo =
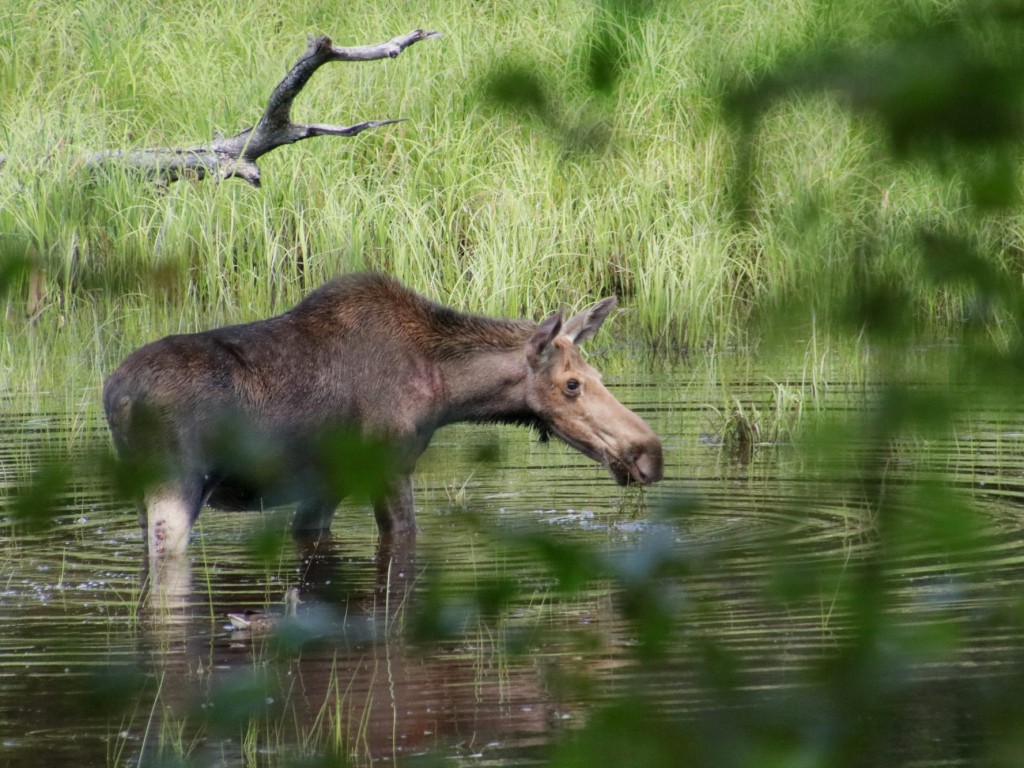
<point>487,386</point>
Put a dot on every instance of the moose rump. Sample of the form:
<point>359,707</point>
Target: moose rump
<point>343,393</point>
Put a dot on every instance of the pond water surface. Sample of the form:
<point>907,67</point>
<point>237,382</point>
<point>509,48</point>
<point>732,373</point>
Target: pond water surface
<point>486,646</point>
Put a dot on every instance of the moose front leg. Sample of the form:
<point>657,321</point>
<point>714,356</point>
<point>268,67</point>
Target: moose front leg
<point>396,516</point>
<point>312,521</point>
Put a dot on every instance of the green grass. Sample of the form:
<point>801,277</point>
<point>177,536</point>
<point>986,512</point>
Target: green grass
<point>554,152</point>
<point>621,182</point>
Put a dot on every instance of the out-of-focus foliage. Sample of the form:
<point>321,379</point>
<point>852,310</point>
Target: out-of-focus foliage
<point>946,93</point>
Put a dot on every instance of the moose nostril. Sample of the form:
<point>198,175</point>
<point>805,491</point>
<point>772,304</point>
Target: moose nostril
<point>648,466</point>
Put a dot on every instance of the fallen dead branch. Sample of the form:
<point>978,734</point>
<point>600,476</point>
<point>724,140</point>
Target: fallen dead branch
<point>236,156</point>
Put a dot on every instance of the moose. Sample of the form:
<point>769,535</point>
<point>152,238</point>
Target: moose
<point>363,356</point>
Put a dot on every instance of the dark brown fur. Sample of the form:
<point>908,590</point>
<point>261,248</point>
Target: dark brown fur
<point>362,353</point>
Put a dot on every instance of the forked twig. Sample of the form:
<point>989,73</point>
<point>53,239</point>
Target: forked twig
<point>236,156</point>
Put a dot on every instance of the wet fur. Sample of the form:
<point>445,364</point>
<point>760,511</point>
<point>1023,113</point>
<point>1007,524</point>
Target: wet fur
<point>362,353</point>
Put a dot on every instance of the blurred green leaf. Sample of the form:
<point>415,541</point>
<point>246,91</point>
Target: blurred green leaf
<point>438,613</point>
<point>628,732</point>
<point>14,265</point>
<point>114,689</point>
<point>271,538</point>
<point>517,87</point>
<point>40,496</point>
<point>357,465</point>
<point>129,476</point>
<point>572,564</point>
<point>494,595</point>
<point>950,260</point>
<point>930,91</point>
<point>238,699</point>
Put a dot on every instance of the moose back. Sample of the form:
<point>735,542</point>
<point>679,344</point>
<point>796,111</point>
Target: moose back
<point>356,377</point>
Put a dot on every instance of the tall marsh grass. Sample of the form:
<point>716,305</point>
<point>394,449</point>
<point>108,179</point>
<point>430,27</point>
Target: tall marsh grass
<point>611,172</point>
<point>554,152</point>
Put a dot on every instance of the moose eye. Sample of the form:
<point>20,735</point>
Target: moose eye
<point>572,387</point>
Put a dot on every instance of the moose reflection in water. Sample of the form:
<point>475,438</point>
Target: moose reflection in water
<point>348,670</point>
<point>343,393</point>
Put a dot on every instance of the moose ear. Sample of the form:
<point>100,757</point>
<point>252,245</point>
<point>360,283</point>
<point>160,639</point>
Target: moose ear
<point>583,326</point>
<point>542,337</point>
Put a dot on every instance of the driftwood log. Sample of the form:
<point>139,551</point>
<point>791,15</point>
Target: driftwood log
<point>236,156</point>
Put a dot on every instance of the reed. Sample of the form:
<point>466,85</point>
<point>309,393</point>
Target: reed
<point>621,184</point>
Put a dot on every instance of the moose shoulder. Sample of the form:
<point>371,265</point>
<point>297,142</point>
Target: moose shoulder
<point>251,415</point>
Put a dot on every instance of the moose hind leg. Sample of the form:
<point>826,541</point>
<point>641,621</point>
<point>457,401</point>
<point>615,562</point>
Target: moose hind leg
<point>170,511</point>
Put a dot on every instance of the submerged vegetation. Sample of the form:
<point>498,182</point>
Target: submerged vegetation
<point>810,173</point>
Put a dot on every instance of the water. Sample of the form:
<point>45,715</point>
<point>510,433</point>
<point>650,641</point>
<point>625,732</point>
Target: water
<point>487,649</point>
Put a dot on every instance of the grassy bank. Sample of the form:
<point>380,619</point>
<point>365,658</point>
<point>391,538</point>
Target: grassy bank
<point>554,152</point>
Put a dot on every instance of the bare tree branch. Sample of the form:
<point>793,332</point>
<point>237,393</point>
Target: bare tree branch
<point>236,156</point>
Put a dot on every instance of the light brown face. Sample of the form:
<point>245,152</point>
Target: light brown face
<point>570,398</point>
